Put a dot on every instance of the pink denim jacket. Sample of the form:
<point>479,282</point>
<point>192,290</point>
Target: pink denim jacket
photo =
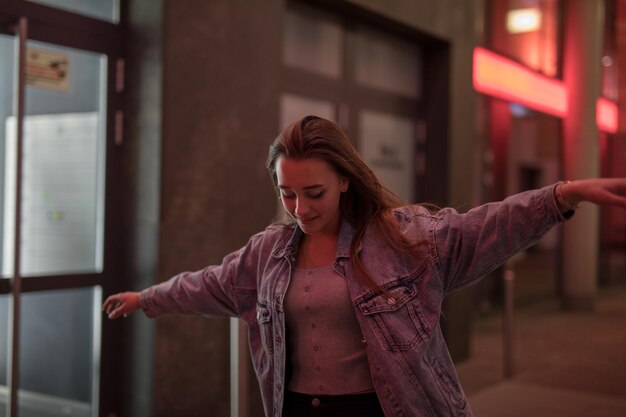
<point>411,368</point>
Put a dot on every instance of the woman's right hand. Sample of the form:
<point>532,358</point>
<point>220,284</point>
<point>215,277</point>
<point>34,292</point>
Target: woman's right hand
<point>121,304</point>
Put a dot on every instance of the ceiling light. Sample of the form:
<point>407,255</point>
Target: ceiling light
<point>523,20</point>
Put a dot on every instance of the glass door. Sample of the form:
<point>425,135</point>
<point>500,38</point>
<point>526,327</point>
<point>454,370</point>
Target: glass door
<point>53,136</point>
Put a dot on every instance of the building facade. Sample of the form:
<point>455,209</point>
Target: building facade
<point>183,100</point>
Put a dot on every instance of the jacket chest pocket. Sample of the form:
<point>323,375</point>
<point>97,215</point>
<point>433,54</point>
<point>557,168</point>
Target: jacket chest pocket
<point>396,318</point>
<point>264,319</point>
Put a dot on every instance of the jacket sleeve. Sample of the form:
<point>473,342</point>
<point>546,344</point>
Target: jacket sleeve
<point>211,291</point>
<point>472,244</point>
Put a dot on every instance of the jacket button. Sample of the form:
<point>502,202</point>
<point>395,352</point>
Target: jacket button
<point>391,301</point>
<point>315,402</point>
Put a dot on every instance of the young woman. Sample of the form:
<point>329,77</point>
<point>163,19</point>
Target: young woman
<point>343,304</point>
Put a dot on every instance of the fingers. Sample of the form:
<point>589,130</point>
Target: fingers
<point>115,306</point>
<point>619,201</point>
<point>616,192</point>
<point>618,188</point>
<point>602,191</point>
<point>617,184</point>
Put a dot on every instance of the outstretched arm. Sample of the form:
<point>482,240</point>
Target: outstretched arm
<point>472,244</point>
<point>601,191</point>
<point>216,290</point>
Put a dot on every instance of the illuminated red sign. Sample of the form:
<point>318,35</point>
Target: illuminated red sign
<point>504,78</point>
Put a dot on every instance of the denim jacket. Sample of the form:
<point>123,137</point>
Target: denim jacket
<point>411,368</point>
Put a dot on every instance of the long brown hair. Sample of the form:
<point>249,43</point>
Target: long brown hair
<point>366,202</point>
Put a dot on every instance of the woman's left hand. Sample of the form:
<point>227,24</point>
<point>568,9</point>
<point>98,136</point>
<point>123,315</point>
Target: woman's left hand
<point>121,304</point>
<point>601,191</point>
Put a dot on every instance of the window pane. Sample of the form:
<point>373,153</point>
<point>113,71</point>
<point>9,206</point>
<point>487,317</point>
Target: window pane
<point>107,10</point>
<point>294,107</point>
<point>7,78</point>
<point>312,41</point>
<point>59,352</point>
<point>387,144</point>
<point>387,63</point>
<point>63,164</point>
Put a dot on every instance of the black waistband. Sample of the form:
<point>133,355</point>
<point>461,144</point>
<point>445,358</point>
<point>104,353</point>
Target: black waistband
<point>328,399</point>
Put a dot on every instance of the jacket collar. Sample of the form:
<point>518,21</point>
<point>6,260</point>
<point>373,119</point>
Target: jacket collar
<point>346,234</point>
<point>288,244</point>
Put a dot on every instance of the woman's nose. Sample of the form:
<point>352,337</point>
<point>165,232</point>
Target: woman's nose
<point>301,207</point>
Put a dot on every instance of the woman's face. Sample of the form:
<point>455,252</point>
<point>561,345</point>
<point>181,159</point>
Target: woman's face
<point>310,190</point>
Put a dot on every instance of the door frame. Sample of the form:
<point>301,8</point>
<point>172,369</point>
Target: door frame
<point>50,25</point>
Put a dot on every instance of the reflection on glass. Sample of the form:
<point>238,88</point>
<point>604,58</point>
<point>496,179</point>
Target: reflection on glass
<point>60,352</point>
<point>387,144</point>
<point>312,41</point>
<point>107,10</point>
<point>62,165</point>
<point>387,63</point>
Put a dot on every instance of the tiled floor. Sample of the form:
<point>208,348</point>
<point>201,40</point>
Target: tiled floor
<point>566,363</point>
<point>521,399</point>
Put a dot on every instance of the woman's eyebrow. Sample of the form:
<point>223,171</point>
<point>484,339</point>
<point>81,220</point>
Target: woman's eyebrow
<point>308,187</point>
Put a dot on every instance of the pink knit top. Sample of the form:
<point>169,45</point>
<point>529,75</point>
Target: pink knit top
<point>325,343</point>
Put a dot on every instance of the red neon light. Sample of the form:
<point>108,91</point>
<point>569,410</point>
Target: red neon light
<point>503,78</point>
<point>606,115</point>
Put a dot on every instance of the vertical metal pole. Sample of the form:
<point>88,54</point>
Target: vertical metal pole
<point>239,369</point>
<point>244,370</point>
<point>234,368</point>
<point>16,281</point>
<point>509,325</point>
